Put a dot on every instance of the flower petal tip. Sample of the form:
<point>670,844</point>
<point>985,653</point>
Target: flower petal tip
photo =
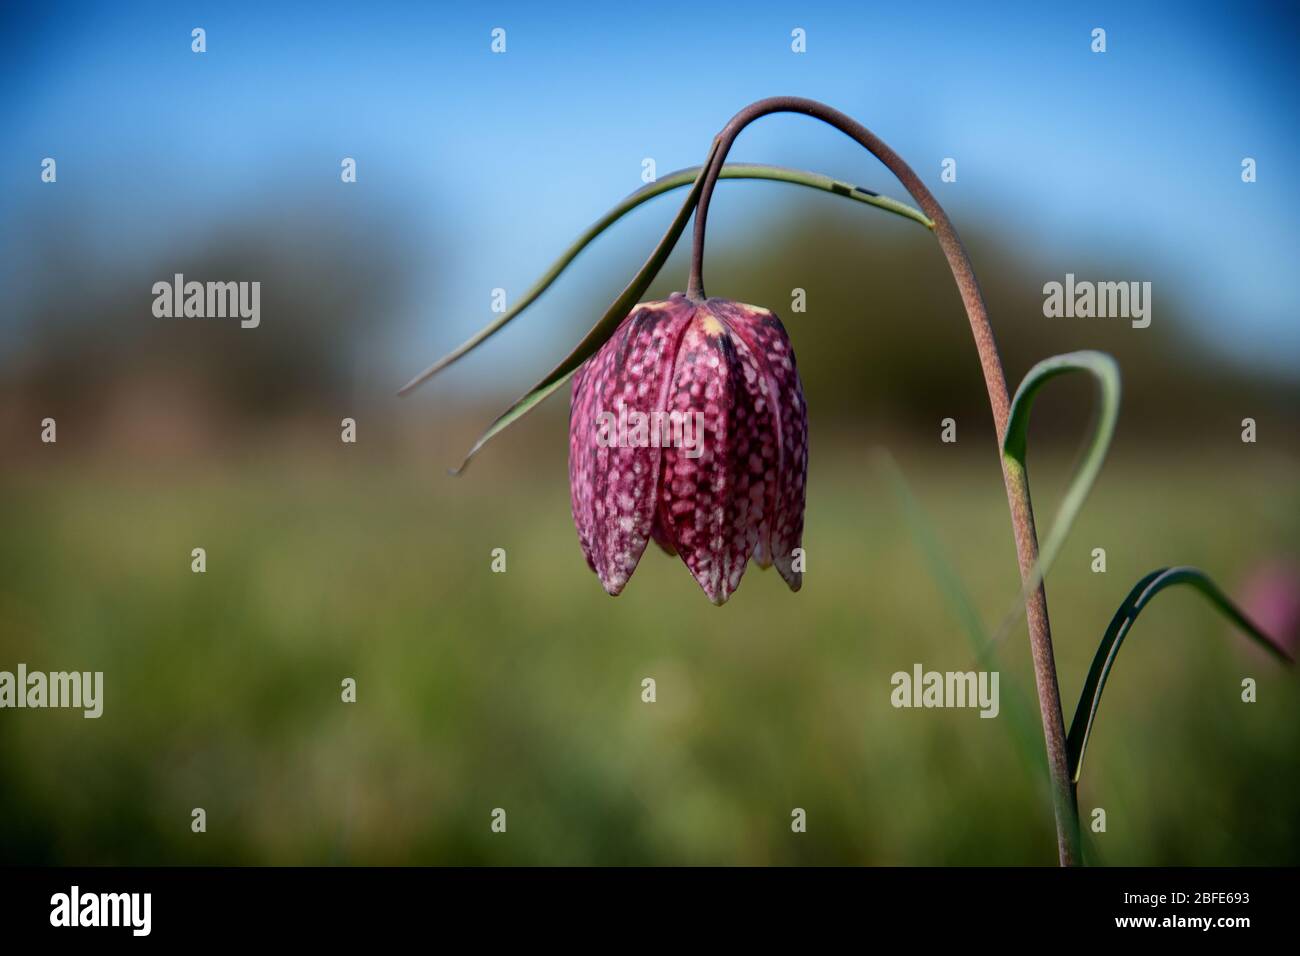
<point>792,578</point>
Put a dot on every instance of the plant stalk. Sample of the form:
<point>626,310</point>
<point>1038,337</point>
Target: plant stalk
<point>1064,797</point>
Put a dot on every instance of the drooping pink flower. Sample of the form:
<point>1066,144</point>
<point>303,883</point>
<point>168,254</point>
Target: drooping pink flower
<point>689,426</point>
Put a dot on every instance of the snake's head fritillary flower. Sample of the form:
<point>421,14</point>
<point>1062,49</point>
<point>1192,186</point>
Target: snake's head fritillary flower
<point>689,426</point>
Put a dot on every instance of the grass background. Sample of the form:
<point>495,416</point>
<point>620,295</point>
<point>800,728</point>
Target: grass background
<point>522,690</point>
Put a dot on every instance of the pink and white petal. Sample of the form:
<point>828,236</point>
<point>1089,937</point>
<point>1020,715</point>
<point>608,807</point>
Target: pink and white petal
<point>583,451</point>
<point>767,339</point>
<point>713,504</point>
<point>613,481</point>
<point>661,535</point>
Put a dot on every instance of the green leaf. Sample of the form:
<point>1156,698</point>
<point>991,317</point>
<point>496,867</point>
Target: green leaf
<point>941,569</point>
<point>603,329</point>
<point>1104,369</point>
<point>671,181</point>
<point>1085,714</point>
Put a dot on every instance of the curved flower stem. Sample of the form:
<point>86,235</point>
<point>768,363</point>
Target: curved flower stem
<point>1064,798</point>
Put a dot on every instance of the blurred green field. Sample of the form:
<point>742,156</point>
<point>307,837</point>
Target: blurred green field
<point>522,690</point>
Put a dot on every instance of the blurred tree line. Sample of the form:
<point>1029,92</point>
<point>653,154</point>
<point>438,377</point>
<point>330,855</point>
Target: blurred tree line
<point>883,344</point>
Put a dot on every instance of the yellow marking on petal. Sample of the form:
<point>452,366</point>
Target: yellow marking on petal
<point>711,326</point>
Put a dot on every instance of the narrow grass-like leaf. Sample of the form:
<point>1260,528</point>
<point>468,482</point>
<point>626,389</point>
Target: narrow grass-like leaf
<point>1024,730</point>
<point>603,329</point>
<point>941,569</point>
<point>667,183</point>
<point>1105,371</point>
<point>1085,714</point>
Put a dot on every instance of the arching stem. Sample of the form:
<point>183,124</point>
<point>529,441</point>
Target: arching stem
<point>1064,798</point>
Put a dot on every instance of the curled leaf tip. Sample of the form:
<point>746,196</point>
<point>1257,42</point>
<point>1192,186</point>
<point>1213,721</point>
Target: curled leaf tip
<point>1105,371</point>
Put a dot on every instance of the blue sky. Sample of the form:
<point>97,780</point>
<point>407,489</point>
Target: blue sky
<point>1135,152</point>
